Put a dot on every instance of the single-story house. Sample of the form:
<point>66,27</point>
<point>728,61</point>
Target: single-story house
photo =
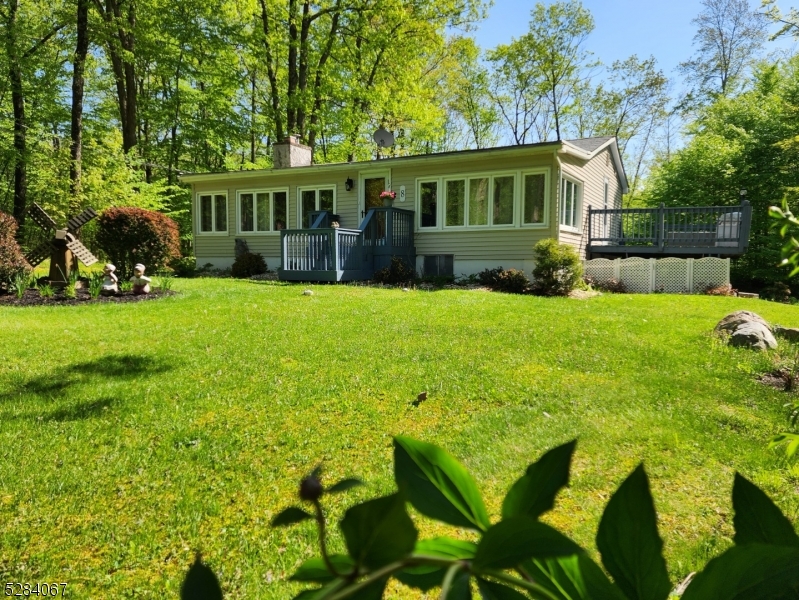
<point>454,212</point>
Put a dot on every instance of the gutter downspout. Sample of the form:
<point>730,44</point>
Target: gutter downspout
<point>559,175</point>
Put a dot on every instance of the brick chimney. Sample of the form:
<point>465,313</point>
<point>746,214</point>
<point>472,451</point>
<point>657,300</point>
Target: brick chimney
<point>290,153</point>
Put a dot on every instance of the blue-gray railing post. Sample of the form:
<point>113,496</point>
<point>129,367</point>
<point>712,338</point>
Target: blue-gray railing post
<point>590,220</point>
<point>390,231</point>
<point>661,226</point>
<point>746,225</point>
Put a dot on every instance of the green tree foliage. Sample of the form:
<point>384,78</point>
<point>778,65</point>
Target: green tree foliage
<point>746,141</point>
<point>729,37</point>
<point>538,73</point>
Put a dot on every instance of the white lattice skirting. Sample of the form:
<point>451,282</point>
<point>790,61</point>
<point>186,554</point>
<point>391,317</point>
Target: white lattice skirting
<point>669,275</point>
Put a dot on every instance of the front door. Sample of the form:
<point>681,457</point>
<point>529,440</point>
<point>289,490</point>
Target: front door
<point>372,188</point>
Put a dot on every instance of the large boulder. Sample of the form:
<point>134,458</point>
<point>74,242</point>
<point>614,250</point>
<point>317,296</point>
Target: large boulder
<point>754,335</point>
<point>733,320</point>
<point>788,333</point>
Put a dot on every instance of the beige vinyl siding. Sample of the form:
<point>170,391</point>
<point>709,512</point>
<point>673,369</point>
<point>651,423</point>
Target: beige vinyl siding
<point>591,174</point>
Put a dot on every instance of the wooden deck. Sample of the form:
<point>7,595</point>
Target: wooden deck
<point>323,253</point>
<point>678,231</point>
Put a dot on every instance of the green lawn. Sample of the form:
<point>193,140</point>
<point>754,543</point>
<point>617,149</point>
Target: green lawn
<point>132,435</point>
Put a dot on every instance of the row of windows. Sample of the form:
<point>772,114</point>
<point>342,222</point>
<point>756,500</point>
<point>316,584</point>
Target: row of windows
<point>478,202</point>
<point>485,201</point>
<point>259,211</point>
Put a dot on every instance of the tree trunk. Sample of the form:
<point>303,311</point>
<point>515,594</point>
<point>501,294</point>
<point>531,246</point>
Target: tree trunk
<point>121,55</point>
<point>18,105</point>
<point>76,131</point>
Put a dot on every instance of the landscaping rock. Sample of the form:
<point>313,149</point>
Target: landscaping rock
<point>733,320</point>
<point>788,333</point>
<point>754,335</point>
<point>308,293</point>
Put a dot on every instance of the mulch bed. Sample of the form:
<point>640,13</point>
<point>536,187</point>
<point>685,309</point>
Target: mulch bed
<point>32,298</point>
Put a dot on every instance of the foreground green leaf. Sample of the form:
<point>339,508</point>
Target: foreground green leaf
<point>512,541</point>
<point>747,572</point>
<point>426,577</point>
<point>437,485</point>
<point>315,569</point>
<point>491,590</point>
<point>200,583</point>
<point>379,532</point>
<point>757,519</point>
<point>461,588</point>
<point>290,516</point>
<point>628,541</point>
<point>573,578</point>
<point>446,547</point>
<point>534,493</point>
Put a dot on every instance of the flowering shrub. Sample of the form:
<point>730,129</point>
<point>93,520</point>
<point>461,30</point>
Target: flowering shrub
<point>133,235</point>
<point>12,262</point>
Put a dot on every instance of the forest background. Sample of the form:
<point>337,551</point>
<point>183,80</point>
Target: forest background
<point>106,102</point>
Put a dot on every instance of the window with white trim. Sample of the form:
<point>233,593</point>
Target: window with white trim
<point>262,211</point>
<point>428,204</point>
<point>212,213</point>
<point>570,203</point>
<point>535,199</point>
<point>480,201</point>
<point>313,199</point>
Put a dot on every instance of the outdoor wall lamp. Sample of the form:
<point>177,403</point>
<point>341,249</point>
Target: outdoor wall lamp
<point>348,184</point>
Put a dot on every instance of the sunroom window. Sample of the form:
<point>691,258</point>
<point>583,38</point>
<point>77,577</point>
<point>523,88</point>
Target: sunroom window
<point>213,213</point>
<point>428,206</point>
<point>569,207</point>
<point>480,201</point>
<point>262,211</point>
<point>534,198</point>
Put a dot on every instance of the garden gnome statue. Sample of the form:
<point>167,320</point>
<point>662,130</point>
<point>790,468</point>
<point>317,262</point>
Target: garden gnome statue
<point>110,286</point>
<point>141,284</point>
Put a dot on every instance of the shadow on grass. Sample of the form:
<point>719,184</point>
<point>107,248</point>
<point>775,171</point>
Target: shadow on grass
<point>80,411</point>
<point>56,384</point>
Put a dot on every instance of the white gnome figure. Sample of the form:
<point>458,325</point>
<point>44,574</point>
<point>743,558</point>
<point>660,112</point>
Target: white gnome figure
<point>141,284</point>
<point>110,286</point>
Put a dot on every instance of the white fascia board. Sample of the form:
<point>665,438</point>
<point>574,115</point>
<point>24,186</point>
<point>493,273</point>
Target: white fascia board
<point>614,152</point>
<point>372,164</point>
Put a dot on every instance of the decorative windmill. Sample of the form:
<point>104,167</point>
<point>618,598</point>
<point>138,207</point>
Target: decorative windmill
<point>64,249</point>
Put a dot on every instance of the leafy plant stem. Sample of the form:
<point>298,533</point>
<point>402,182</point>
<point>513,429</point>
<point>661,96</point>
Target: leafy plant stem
<point>414,560</point>
<point>320,520</point>
<point>536,590</point>
<point>448,579</point>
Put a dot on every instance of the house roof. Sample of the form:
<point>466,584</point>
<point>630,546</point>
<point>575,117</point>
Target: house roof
<point>590,144</point>
<point>585,148</point>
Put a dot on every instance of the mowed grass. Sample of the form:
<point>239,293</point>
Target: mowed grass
<point>133,435</point>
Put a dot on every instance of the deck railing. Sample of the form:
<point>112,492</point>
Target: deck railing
<point>320,249</point>
<point>348,253</point>
<point>700,230</point>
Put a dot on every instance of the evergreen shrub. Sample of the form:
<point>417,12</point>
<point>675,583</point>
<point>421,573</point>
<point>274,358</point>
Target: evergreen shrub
<point>511,281</point>
<point>248,264</point>
<point>558,269</point>
<point>397,272</point>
